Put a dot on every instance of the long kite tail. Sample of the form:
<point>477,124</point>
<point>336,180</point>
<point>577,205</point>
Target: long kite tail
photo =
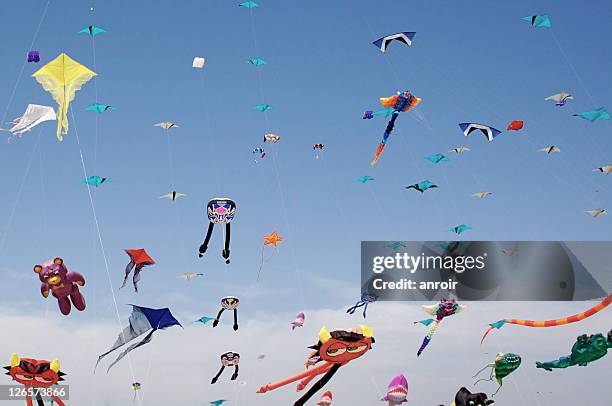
<point>551,323</point>
<point>427,339</point>
<point>383,142</point>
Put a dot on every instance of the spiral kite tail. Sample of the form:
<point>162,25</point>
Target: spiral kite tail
<point>427,339</point>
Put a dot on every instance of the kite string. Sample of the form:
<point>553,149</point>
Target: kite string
<point>19,192</point>
<point>101,242</point>
<point>25,62</point>
<point>274,163</point>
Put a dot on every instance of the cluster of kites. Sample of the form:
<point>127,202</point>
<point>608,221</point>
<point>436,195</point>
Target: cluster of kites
<point>63,77</point>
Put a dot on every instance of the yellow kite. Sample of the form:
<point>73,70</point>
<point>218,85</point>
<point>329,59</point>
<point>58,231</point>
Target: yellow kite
<point>63,77</point>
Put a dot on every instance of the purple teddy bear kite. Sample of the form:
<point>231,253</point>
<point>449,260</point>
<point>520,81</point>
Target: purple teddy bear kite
<point>62,284</point>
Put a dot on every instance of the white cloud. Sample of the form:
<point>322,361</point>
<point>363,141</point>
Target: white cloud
<point>177,366</point>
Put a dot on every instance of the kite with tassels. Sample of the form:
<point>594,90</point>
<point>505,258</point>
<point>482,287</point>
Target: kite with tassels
<point>551,323</point>
<point>63,77</point>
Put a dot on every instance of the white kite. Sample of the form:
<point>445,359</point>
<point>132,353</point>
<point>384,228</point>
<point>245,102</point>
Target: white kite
<point>596,212</point>
<point>560,98</point>
<point>172,195</point>
<point>482,194</point>
<point>550,150</point>
<point>166,125</point>
<point>187,276</point>
<point>604,169</point>
<point>34,115</point>
<point>460,150</point>
<point>198,62</point>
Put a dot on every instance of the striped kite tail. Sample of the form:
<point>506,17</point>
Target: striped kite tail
<point>551,323</point>
<point>427,339</point>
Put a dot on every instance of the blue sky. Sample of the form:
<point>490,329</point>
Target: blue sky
<point>470,61</point>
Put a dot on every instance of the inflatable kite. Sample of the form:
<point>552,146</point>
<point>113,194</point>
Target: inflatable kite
<point>466,398</point>
<point>34,115</point>
<point>441,310</point>
<point>33,56</point>
<point>298,321</point>
<point>141,320</point>
<point>397,391</point>
<point>403,37</point>
<point>136,386</point>
<point>585,350</point>
<point>36,375</point>
<point>402,102</point>
<point>560,98</point>
<point>220,210</point>
<point>551,323</point>
<point>336,349</point>
<point>503,366</point>
<point>228,359</point>
<point>325,399</point>
<point>366,299</point>
<point>488,131</point>
<point>317,148</point>
<point>422,186</point>
<point>63,285</point>
<point>228,303</point>
<point>138,260</point>
<point>63,77</point>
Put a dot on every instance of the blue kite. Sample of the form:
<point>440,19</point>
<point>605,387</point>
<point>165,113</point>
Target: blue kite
<point>217,402</point>
<point>487,130</point>
<point>99,107</point>
<point>422,186</point>
<point>365,179</point>
<point>459,229</point>
<point>95,180</point>
<point>403,37</point>
<point>263,107</point>
<point>437,158</point>
<point>141,320</point>
<point>92,30</point>
<point>257,61</point>
<point>540,21</point>
<point>594,115</point>
<point>249,4</point>
<point>204,319</point>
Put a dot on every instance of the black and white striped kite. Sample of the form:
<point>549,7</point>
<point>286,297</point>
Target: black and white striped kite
<point>403,37</point>
<point>488,131</point>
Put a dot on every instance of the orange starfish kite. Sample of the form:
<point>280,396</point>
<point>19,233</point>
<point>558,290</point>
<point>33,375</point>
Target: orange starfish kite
<point>272,239</point>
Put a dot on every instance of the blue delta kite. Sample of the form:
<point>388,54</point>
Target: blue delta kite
<point>488,131</point>
<point>540,21</point>
<point>403,37</point>
<point>141,320</point>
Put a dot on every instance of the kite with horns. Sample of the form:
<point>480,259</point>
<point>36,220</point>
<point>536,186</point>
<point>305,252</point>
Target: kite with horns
<point>36,375</point>
<point>335,348</point>
<point>401,102</point>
